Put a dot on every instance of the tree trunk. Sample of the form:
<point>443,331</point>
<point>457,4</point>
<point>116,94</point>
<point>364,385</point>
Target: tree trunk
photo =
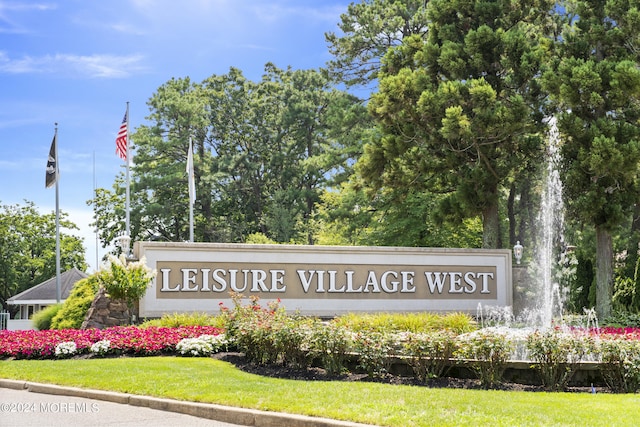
<point>604,272</point>
<point>511,213</point>
<point>491,226</point>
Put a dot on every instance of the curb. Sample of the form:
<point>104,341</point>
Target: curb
<point>227,414</point>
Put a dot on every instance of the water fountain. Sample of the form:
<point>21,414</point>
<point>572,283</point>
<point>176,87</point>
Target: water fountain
<point>546,296</point>
<point>543,295</point>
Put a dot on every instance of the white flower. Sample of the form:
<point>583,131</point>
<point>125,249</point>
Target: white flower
<point>67,348</point>
<point>194,347</point>
<point>101,347</point>
<point>216,341</point>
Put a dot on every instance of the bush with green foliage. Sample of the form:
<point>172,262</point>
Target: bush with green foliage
<point>430,353</point>
<point>557,355</point>
<point>407,322</point>
<point>620,364</point>
<point>124,280</point>
<point>374,349</point>
<point>622,319</point>
<point>250,328</point>
<point>291,336</point>
<point>42,319</point>
<point>75,307</point>
<point>329,344</point>
<point>487,352</point>
<point>175,320</point>
<point>259,239</point>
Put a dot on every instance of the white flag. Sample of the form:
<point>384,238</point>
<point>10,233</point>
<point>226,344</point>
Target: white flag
<point>190,173</point>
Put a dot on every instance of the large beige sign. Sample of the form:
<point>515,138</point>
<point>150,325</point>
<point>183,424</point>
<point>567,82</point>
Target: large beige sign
<point>324,280</point>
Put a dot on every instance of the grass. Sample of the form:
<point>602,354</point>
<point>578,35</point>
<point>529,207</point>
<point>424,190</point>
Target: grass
<point>214,381</point>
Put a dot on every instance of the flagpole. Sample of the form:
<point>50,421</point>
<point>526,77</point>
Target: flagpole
<point>128,160</point>
<point>58,296</point>
<point>95,195</point>
<point>190,178</point>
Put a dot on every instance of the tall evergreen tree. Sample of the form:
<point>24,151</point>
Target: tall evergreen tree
<point>460,113</point>
<point>369,29</point>
<point>595,83</point>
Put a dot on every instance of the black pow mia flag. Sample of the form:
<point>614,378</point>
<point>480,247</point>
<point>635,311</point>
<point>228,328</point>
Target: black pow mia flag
<point>52,165</point>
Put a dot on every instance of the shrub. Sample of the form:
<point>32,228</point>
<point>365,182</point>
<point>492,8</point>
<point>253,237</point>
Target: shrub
<point>622,318</point>
<point>42,319</point>
<point>557,355</point>
<point>620,364</point>
<point>487,351</point>
<point>291,335</point>
<point>407,322</point>
<point>75,307</point>
<point>124,280</point>
<point>429,353</point>
<point>329,344</point>
<point>373,349</point>
<point>176,320</point>
<point>251,328</point>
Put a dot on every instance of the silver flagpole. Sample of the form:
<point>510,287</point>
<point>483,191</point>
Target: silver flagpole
<point>127,220</point>
<point>191,182</point>
<point>58,296</point>
<point>95,194</point>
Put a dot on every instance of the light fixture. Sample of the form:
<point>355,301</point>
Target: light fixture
<point>124,242</point>
<point>517,251</point>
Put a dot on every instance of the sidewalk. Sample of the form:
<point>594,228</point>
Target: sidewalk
<point>36,404</point>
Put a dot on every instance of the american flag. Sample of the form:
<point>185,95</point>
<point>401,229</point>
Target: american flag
<point>121,139</point>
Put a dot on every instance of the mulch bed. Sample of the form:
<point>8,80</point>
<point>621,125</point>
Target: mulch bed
<point>319,374</point>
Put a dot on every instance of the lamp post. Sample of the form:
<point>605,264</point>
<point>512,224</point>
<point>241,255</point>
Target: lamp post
<point>124,242</point>
<point>517,251</point>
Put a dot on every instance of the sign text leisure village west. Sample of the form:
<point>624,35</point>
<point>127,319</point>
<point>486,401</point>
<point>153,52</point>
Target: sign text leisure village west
<point>324,280</point>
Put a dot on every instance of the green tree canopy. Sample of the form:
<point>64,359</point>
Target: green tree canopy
<point>595,86</point>
<point>369,29</point>
<point>264,152</point>
<point>460,113</point>
<point>28,249</point>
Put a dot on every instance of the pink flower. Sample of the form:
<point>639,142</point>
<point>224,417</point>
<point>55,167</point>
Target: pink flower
<point>124,339</point>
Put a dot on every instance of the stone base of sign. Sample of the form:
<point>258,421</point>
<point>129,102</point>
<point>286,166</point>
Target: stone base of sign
<point>106,312</point>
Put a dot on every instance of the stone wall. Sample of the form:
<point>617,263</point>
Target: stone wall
<point>105,312</point>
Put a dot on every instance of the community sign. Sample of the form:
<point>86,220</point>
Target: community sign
<point>323,280</point>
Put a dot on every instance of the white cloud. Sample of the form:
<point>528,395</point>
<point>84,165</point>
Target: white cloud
<point>278,12</point>
<point>8,24</point>
<point>95,66</point>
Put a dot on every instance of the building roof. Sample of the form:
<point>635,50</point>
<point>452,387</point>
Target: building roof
<point>46,291</point>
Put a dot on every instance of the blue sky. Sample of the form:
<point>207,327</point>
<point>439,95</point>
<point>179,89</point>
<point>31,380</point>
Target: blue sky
<point>77,63</point>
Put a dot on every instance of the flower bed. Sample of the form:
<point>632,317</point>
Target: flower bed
<point>121,340</point>
<point>269,336</point>
<point>628,333</point>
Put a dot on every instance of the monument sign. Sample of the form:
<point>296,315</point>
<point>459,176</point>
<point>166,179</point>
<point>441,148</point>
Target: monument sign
<point>324,280</point>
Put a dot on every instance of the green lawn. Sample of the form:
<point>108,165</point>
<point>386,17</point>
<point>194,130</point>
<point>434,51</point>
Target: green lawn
<point>213,381</point>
